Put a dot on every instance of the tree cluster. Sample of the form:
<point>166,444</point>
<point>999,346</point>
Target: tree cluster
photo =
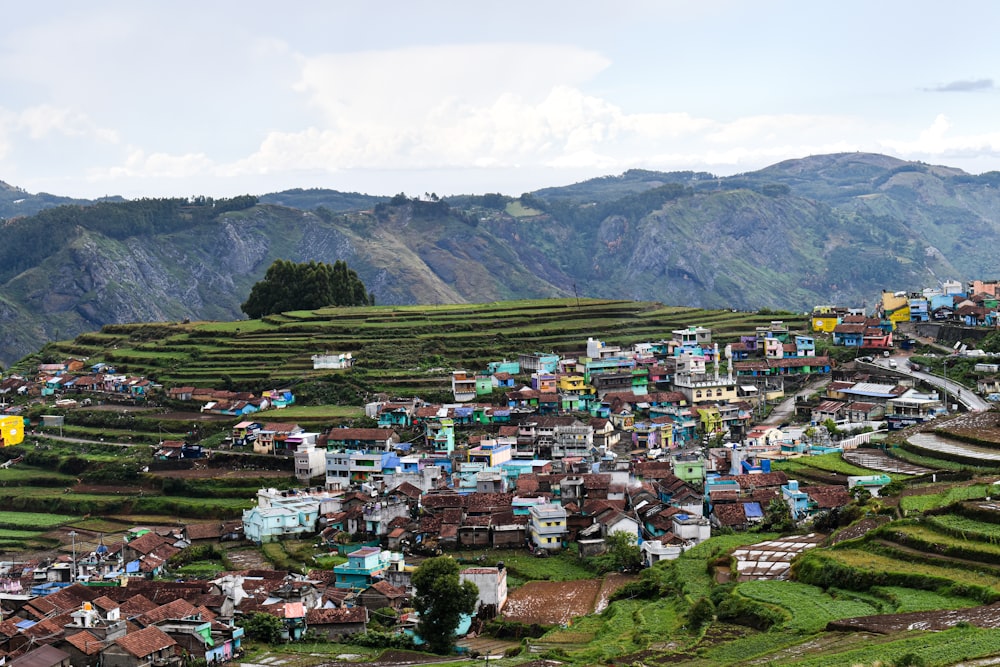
<point>430,209</point>
<point>291,286</point>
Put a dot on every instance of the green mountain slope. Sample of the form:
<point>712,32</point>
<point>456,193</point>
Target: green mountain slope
<point>835,228</point>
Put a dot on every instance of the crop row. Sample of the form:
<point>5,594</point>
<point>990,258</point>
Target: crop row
<point>862,569</point>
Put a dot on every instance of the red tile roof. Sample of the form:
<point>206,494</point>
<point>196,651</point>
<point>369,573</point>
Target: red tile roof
<point>146,641</point>
<point>86,643</point>
<point>337,616</point>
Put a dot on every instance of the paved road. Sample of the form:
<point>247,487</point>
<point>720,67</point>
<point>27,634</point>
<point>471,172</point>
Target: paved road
<point>956,392</point>
<point>784,411</point>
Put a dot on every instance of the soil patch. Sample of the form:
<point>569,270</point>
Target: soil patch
<point>117,407</point>
<point>99,489</point>
<point>984,426</point>
<point>987,616</point>
<point>248,559</point>
<point>552,602</point>
<point>395,659</point>
<point>858,529</point>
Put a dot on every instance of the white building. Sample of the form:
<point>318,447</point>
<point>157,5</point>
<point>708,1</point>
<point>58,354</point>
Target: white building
<point>492,585</point>
<point>332,361</point>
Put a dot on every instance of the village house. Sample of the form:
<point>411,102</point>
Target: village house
<point>547,527</point>
<point>492,585</point>
<point>335,623</point>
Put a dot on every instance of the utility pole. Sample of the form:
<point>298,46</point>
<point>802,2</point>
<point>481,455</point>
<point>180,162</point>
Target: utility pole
<point>72,535</point>
<point>947,409</point>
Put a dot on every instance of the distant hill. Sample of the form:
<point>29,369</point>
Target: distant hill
<point>824,229</point>
<point>15,202</point>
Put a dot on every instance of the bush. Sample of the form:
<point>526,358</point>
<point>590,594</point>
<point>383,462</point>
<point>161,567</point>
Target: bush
<point>744,611</point>
<point>701,613</point>
<point>384,640</point>
<point>514,630</point>
<point>73,465</point>
<point>261,627</point>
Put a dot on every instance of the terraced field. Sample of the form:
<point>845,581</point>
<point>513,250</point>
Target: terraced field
<point>403,349</point>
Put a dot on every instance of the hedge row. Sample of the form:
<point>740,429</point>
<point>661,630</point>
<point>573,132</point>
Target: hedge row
<point>966,552</point>
<point>824,570</point>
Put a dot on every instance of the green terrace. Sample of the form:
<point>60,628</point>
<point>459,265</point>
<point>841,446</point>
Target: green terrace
<point>280,347</point>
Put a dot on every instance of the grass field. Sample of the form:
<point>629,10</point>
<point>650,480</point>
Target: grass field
<point>33,520</point>
<point>312,412</point>
<point>946,496</point>
<point>831,462</point>
<point>809,608</point>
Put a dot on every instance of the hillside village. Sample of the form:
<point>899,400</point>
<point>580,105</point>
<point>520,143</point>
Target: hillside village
<point>668,442</point>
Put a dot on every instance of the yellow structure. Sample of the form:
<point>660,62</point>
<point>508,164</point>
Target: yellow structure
<point>895,307</point>
<point>11,431</point>
<point>572,384</point>
<point>711,419</point>
<point>824,318</point>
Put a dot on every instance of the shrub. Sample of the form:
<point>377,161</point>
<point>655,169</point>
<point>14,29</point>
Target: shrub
<point>514,629</point>
<point>743,611</point>
<point>701,613</point>
<point>384,640</point>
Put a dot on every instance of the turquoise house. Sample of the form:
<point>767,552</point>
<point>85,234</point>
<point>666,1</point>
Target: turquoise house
<point>361,568</point>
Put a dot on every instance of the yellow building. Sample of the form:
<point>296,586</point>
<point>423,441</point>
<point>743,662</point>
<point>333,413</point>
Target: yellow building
<point>710,418</point>
<point>825,318</point>
<point>11,431</point>
<point>572,384</point>
<point>895,307</point>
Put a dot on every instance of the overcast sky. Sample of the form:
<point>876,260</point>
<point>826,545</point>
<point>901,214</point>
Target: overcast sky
<point>222,98</point>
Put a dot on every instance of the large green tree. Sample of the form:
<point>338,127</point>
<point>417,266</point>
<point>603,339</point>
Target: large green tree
<point>306,286</point>
<point>262,627</point>
<point>441,599</point>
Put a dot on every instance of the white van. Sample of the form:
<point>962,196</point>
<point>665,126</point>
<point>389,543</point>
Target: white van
<point>892,363</point>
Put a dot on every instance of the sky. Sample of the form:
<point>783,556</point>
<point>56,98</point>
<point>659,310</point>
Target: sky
<point>222,98</point>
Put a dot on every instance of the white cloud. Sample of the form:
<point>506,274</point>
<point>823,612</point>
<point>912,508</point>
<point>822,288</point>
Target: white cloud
<point>156,165</point>
<point>937,139</point>
<point>497,105</point>
<point>44,120</point>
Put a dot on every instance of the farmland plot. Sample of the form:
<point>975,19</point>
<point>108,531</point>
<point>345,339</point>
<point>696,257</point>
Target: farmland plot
<point>552,602</point>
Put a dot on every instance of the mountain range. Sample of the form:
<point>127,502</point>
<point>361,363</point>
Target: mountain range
<point>823,229</point>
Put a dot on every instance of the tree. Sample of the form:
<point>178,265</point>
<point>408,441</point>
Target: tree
<point>307,286</point>
<point>441,599</point>
<point>623,553</point>
<point>893,488</point>
<point>860,494</point>
<point>262,627</point>
<point>778,516</point>
<point>701,613</point>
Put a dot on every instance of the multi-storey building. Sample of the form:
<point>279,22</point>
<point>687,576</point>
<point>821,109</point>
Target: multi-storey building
<point>547,527</point>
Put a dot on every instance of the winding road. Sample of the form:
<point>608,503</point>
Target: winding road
<point>955,392</point>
